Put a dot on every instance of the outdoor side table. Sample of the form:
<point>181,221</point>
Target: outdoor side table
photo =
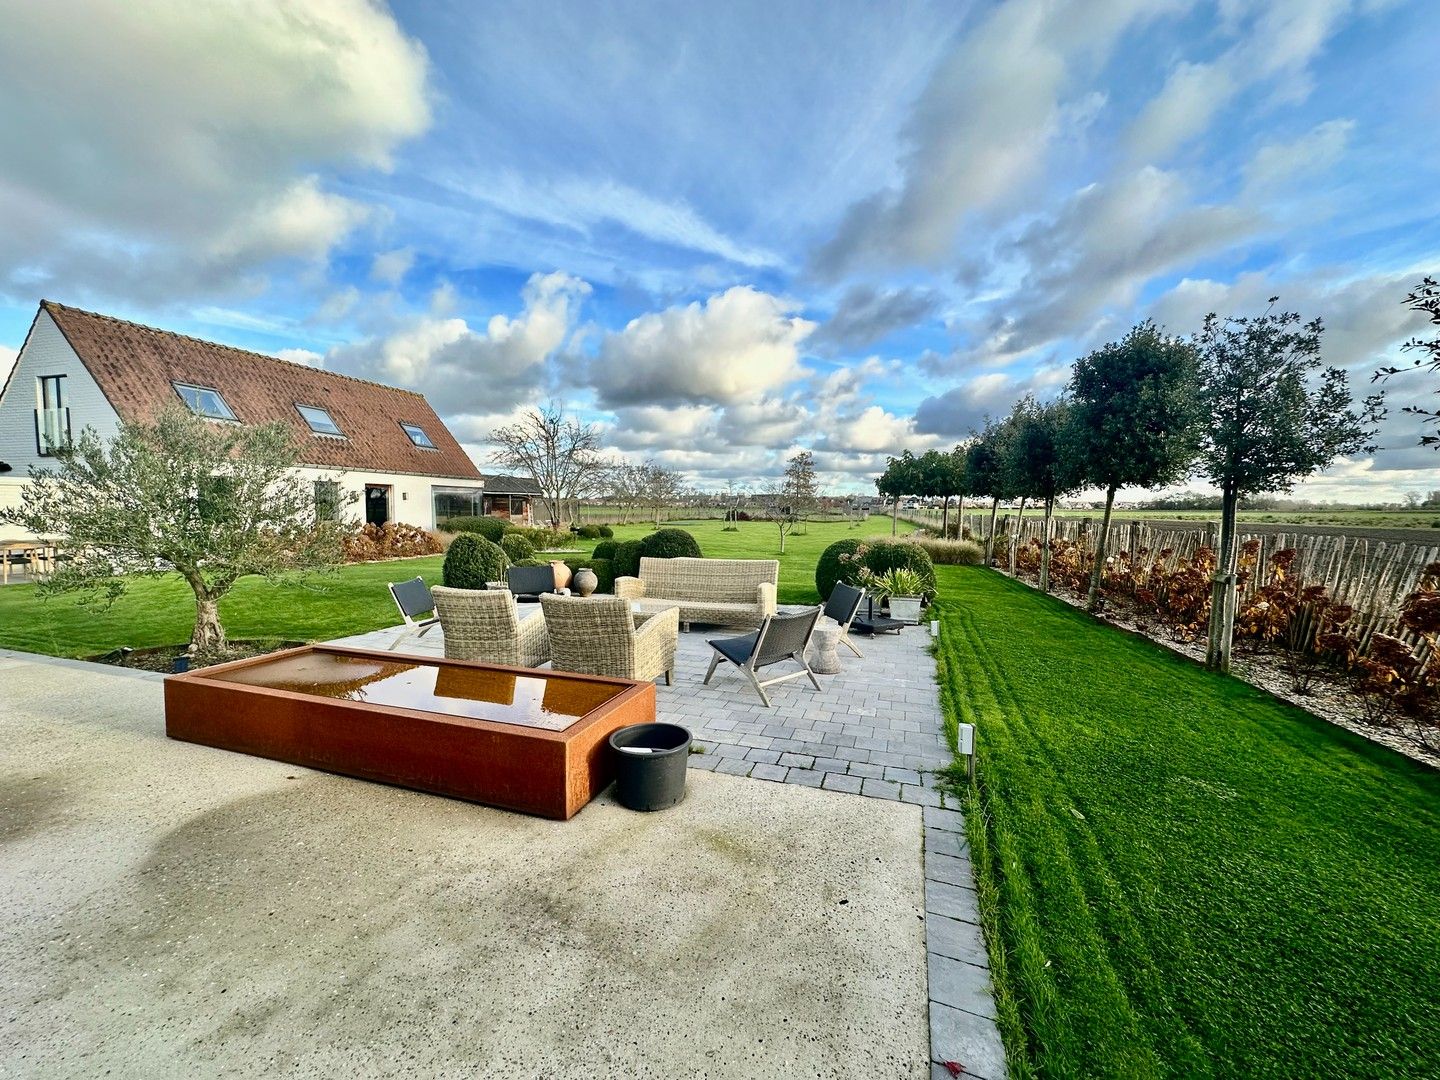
<point>824,651</point>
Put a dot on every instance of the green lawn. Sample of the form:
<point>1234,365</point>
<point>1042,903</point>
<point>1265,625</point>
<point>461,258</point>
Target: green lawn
<point>160,612</point>
<point>1182,876</point>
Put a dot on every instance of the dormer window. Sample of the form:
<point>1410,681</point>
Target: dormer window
<point>204,401</point>
<point>319,420</point>
<point>418,436</point>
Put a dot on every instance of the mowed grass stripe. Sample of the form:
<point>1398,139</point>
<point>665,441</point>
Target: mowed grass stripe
<point>1250,891</point>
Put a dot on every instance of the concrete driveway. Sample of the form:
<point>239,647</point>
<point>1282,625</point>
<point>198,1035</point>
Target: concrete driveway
<point>172,910</point>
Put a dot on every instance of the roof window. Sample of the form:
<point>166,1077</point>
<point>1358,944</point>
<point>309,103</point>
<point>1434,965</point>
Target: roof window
<point>204,401</point>
<point>418,436</point>
<point>320,421</point>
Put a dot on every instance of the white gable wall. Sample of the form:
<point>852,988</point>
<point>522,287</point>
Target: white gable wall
<point>45,352</point>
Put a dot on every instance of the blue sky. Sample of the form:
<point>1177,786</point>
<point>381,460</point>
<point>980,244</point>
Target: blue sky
<point>729,232</point>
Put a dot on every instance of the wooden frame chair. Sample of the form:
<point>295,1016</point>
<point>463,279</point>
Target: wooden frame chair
<point>780,638</point>
<point>842,607</point>
<point>413,598</point>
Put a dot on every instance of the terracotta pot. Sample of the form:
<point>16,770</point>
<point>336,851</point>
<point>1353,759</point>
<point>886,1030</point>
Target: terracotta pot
<point>562,573</point>
<point>584,582</point>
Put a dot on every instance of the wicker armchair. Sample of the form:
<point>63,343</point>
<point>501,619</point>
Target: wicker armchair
<point>597,636</point>
<point>481,624</point>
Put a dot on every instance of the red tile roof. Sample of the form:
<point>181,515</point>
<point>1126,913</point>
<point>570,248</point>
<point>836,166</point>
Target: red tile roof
<point>135,366</point>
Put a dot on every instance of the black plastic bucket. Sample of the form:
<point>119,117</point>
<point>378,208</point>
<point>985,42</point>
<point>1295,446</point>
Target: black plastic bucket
<point>650,763</point>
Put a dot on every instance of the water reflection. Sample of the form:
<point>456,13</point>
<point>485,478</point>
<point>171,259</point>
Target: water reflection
<point>546,700</point>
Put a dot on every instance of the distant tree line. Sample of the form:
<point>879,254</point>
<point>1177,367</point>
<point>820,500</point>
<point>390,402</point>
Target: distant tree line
<point>1244,403</point>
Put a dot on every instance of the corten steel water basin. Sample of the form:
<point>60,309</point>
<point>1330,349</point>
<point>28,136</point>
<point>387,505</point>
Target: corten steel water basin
<point>522,739</point>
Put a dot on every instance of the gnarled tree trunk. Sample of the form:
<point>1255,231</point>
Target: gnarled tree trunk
<point>208,634</point>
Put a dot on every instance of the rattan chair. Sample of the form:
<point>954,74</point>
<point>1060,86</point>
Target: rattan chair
<point>780,638</point>
<point>597,636</point>
<point>483,624</point>
<point>842,607</point>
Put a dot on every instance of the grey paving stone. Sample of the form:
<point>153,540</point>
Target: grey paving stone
<point>764,757</point>
<point>945,843</point>
<point>798,761</point>
<point>841,782</point>
<point>955,901</point>
<point>879,789</point>
<point>829,764</point>
<point>735,766</point>
<point>919,795</point>
<point>769,772</point>
<point>955,939</point>
<point>948,820</point>
<point>729,750</point>
<point>706,762</point>
<point>864,768</point>
<point>805,777</point>
<point>960,985</point>
<point>972,1041</point>
<point>950,870</point>
<point>902,776</point>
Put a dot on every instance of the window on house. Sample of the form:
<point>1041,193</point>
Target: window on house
<point>204,401</point>
<point>327,500</point>
<point>418,436</point>
<point>451,502</point>
<point>319,420</point>
<point>52,418</point>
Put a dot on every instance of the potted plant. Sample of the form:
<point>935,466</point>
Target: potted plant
<point>903,588</point>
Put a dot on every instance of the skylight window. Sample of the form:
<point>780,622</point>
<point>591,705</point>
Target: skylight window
<point>319,420</point>
<point>418,436</point>
<point>204,401</point>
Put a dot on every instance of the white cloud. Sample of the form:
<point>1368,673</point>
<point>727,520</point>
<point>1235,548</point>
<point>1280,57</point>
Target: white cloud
<point>983,127</point>
<point>390,267</point>
<point>304,357</point>
<point>151,148</point>
<point>735,346</point>
<point>963,408</point>
<point>466,369</point>
<point>1276,40</point>
<point>1313,152</point>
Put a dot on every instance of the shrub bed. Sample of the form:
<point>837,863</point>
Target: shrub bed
<point>392,540</point>
<point>626,560</point>
<point>472,561</point>
<point>604,572</point>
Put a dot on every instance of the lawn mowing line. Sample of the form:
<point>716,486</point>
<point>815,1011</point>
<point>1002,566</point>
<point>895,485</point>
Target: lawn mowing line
<point>1041,970</point>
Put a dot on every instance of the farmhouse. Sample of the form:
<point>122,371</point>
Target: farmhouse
<point>78,369</point>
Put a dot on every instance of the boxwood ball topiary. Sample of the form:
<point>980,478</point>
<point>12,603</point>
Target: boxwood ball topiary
<point>832,569</point>
<point>883,555</point>
<point>670,544</point>
<point>517,547</point>
<point>607,532</point>
<point>605,549</point>
<point>626,559</point>
<point>472,561</point>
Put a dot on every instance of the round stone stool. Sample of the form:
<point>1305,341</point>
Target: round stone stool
<point>824,653</point>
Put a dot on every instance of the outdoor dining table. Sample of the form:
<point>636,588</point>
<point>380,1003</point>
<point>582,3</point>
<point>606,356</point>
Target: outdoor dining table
<point>37,555</point>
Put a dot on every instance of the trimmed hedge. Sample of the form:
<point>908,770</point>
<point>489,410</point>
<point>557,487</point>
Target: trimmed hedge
<point>604,550</point>
<point>604,572</point>
<point>516,547</point>
<point>670,544</point>
<point>831,569</point>
<point>626,560</point>
<point>607,533</point>
<point>472,561</point>
<point>588,532</point>
<point>491,528</point>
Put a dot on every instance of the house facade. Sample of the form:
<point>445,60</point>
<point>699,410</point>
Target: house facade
<point>385,445</point>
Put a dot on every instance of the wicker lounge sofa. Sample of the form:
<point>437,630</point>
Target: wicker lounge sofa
<point>483,624</point>
<point>725,592</point>
<point>598,636</point>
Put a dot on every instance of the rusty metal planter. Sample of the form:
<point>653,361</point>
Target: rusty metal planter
<point>526,740</point>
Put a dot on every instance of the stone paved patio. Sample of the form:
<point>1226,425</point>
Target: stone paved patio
<point>875,730</point>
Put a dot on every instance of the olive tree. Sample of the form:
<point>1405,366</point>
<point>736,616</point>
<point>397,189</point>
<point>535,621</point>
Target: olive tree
<point>1271,414</point>
<point>212,502</point>
<point>1134,419</point>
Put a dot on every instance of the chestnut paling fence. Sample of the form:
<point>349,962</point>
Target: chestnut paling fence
<point>1371,576</point>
